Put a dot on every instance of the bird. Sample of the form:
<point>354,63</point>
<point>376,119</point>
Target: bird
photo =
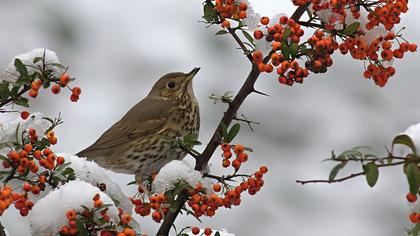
<point>140,143</point>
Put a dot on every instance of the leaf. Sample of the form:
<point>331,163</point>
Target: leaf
<point>21,101</point>
<point>248,37</point>
<point>20,67</point>
<point>36,59</point>
<point>415,230</point>
<point>132,182</point>
<point>293,50</point>
<point>233,132</point>
<point>217,233</point>
<point>221,32</point>
<point>335,170</point>
<point>286,35</point>
<point>352,28</point>
<point>223,130</point>
<point>81,228</point>
<point>285,51</point>
<point>372,173</point>
<point>210,14</point>
<point>4,90</point>
<point>413,177</point>
<point>405,140</point>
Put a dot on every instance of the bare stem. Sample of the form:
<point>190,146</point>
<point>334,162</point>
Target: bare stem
<point>303,182</point>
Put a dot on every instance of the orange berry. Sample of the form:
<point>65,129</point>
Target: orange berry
<point>411,197</point>
<point>74,98</point>
<point>225,147</point>
<point>27,147</point>
<point>35,189</point>
<point>236,164</point>
<point>55,89</point>
<point>98,203</point>
<point>227,155</point>
<point>125,218</point>
<point>263,169</point>
<point>243,157</point>
<point>258,34</point>
<point>225,163</point>
<point>129,232</point>
<point>60,160</point>
<point>71,214</point>
<point>226,24</point>
<point>26,187</point>
<point>76,91</point>
<point>64,79</point>
<point>413,217</point>
<point>265,20</point>
<point>238,148</point>
<point>24,115</point>
<point>157,216</point>
<point>195,230</point>
<point>412,47</point>
<point>96,197</point>
<point>207,231</point>
<point>217,187</point>
<point>33,93</point>
<point>198,187</point>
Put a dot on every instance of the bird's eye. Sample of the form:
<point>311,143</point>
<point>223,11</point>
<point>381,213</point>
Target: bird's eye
<point>171,84</point>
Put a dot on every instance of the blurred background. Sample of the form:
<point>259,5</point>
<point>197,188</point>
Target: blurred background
<point>118,49</point>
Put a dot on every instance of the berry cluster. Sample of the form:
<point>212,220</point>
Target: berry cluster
<point>62,82</point>
<point>196,231</point>
<point>229,9</point>
<point>158,203</point>
<point>35,165</point>
<point>377,53</point>
<point>96,221</point>
<point>387,14</point>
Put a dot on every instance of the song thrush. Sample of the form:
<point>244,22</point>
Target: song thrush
<point>136,143</point>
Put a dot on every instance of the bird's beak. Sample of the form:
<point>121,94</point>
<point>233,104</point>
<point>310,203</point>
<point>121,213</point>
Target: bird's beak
<point>192,74</point>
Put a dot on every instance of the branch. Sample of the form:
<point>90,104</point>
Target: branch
<point>7,101</point>
<point>2,231</point>
<point>347,177</point>
<point>246,89</point>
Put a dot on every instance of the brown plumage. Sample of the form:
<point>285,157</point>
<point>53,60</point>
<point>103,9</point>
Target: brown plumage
<point>135,144</point>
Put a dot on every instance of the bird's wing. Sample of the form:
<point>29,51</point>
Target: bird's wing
<point>147,117</point>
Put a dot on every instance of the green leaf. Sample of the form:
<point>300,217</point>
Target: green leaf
<point>4,90</point>
<point>223,130</point>
<point>217,233</point>
<point>210,14</point>
<point>286,35</point>
<point>232,132</point>
<point>415,230</point>
<point>248,37</point>
<point>81,228</point>
<point>372,173</point>
<point>352,28</point>
<point>335,170</point>
<point>221,32</point>
<point>132,182</point>
<point>20,67</point>
<point>285,51</point>
<point>406,141</point>
<point>293,50</point>
<point>36,59</point>
<point>21,101</point>
<point>413,177</point>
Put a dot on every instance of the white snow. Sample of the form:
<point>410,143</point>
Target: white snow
<point>49,213</point>
<point>27,59</point>
<point>414,133</point>
<point>8,128</point>
<point>90,172</point>
<point>253,18</point>
<point>263,45</point>
<point>177,171</point>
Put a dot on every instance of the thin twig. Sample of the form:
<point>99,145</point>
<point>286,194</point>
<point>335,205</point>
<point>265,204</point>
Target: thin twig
<point>303,182</point>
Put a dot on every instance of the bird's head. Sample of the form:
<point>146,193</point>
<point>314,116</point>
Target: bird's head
<point>174,85</point>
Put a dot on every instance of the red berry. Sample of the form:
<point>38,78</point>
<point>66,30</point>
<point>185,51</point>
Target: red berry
<point>411,197</point>
<point>24,115</point>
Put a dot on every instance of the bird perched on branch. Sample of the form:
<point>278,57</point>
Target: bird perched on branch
<point>136,144</point>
